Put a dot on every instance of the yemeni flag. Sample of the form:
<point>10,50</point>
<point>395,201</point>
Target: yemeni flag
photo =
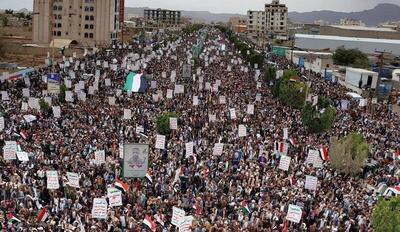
<point>42,216</point>
<point>24,134</point>
<point>245,208</point>
<point>396,155</point>
<point>135,83</point>
<point>323,153</point>
<point>292,142</point>
<point>119,184</point>
<point>197,208</point>
<point>148,221</point>
<point>148,177</point>
<point>11,218</point>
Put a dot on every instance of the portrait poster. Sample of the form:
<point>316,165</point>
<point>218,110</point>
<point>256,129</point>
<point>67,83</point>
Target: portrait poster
<point>135,162</point>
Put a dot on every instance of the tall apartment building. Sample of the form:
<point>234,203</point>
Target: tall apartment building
<point>161,17</point>
<point>277,18</point>
<point>238,24</point>
<point>256,23</point>
<point>88,22</point>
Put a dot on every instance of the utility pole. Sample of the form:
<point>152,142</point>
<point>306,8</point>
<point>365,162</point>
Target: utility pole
<point>291,55</point>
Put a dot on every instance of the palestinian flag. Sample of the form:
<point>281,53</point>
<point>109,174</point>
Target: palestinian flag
<point>323,153</point>
<point>148,221</point>
<point>245,208</point>
<point>121,185</point>
<point>292,142</point>
<point>135,83</point>
<point>24,134</point>
<point>148,176</point>
<point>11,218</point>
<point>42,216</point>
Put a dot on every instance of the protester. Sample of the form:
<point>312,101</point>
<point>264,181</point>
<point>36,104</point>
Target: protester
<point>213,188</point>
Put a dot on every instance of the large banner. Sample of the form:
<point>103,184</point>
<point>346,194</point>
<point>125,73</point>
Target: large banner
<point>135,162</point>
<point>53,83</point>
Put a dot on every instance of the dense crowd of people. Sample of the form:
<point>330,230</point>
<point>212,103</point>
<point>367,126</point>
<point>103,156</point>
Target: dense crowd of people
<point>211,187</point>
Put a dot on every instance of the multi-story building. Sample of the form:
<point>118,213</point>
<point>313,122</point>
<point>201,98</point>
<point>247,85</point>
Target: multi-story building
<point>161,17</point>
<point>256,24</point>
<point>272,22</point>
<point>87,22</point>
<point>238,24</point>
<point>276,18</point>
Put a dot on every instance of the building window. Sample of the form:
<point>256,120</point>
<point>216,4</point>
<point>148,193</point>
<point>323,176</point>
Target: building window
<point>92,8</point>
<point>54,7</point>
<point>86,35</point>
<point>91,17</point>
<point>66,33</point>
<point>58,33</point>
<point>91,26</point>
<point>59,25</point>
<point>91,35</point>
<point>86,8</point>
<point>59,16</point>
<point>86,26</point>
<point>60,8</point>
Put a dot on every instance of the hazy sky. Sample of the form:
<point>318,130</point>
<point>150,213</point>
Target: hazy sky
<point>233,6</point>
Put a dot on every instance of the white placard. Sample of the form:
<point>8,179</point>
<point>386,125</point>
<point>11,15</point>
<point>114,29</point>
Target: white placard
<point>258,97</point>
<point>115,198</point>
<point>111,101</point>
<point>294,213</point>
<point>107,82</point>
<point>250,109</point>
<point>232,113</point>
<point>10,150</point>
<point>73,179</point>
<point>195,100</point>
<point>4,96</point>
<point>68,84</point>
<point>189,149</point>
<point>242,131</point>
<point>153,85</point>
<point>173,123</point>
<point>186,225</point>
<point>160,142</point>
<point>222,100</point>
<point>170,93</point>
<point>177,216</point>
<point>26,92</point>
<point>285,133</point>
<point>24,106</point>
<point>91,90</point>
<point>218,148</point>
<point>82,96</point>
<point>284,163</point>
<point>314,158</point>
<point>311,183</point>
<point>139,129</point>
<point>69,97</point>
<point>56,111</point>
<point>23,156</point>
<point>2,123</point>
<point>99,157</point>
<point>212,118</point>
<point>127,114</point>
<point>99,209</point>
<point>52,180</point>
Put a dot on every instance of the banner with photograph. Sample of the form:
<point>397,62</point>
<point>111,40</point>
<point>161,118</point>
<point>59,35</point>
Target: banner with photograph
<point>135,162</point>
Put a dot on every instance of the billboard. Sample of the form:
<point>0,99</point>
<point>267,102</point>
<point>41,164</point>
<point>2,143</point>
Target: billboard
<point>135,162</point>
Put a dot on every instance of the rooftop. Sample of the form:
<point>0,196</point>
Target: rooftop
<point>362,28</point>
<point>348,39</point>
<point>360,70</point>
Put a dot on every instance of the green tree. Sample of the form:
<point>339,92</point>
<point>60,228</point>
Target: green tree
<point>319,118</point>
<point>386,215</point>
<point>290,91</point>
<point>350,57</point>
<point>44,106</point>
<point>162,123</point>
<point>4,20</point>
<point>349,154</point>
<point>61,95</point>
<point>270,74</point>
<point>257,59</point>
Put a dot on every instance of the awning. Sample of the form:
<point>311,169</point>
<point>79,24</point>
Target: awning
<point>60,43</point>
